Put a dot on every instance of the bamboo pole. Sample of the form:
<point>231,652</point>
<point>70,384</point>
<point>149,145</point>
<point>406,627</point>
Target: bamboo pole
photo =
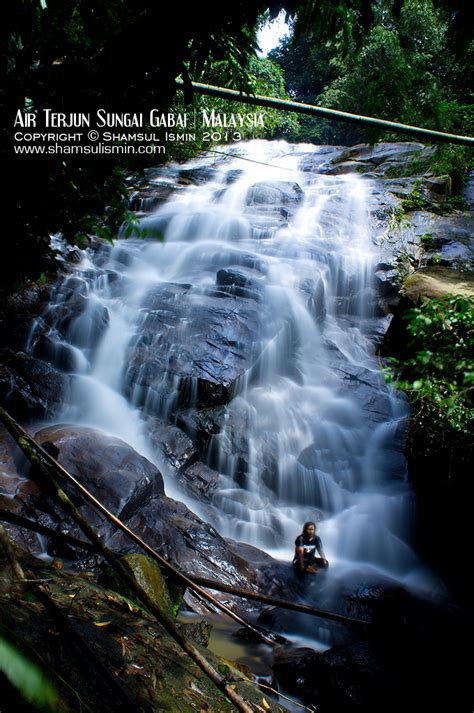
<point>324,113</point>
<point>283,603</point>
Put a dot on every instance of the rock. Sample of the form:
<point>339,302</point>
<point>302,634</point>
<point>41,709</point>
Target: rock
<point>233,175</point>
<point>123,480</point>
<point>199,480</point>
<point>201,424</point>
<point>31,388</point>
<point>274,193</point>
<point>183,538</point>
<point>437,188</point>
<point>149,577</point>
<point>177,447</point>
<point>387,282</point>
<point>468,192</point>
<point>342,167</point>
<point>150,197</point>
<point>384,158</point>
<point>18,311</point>
<point>213,339</point>
<point>196,176</point>
<point>247,282</point>
<point>150,670</point>
<point>199,631</point>
<point>293,669</point>
<point>435,282</point>
<point>448,237</point>
<point>28,540</point>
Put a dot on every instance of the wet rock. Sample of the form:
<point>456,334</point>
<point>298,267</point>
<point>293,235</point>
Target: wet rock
<point>28,540</point>
<point>199,631</point>
<point>180,536</point>
<point>468,192</point>
<point>196,176</point>
<point>201,424</point>
<point>384,158</point>
<point>317,303</point>
<point>148,198</point>
<point>274,193</point>
<point>247,282</point>
<point>450,238</point>
<point>387,282</point>
<point>437,188</point>
<point>343,167</point>
<point>177,447</point>
<point>148,668</point>
<point>18,311</point>
<point>148,576</point>
<point>31,388</point>
<point>123,480</point>
<point>199,480</point>
<point>293,669</point>
<point>194,346</point>
<point>318,158</point>
<point>233,175</point>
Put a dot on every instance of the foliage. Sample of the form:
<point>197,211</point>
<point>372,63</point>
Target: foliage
<point>78,56</point>
<point>415,201</point>
<point>393,61</point>
<point>27,677</point>
<point>438,374</point>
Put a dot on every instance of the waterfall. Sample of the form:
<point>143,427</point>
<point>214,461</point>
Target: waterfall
<point>275,264</point>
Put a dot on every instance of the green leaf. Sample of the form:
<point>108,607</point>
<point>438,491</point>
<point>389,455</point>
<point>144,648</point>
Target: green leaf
<point>27,677</point>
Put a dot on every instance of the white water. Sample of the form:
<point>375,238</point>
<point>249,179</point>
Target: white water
<point>299,396</point>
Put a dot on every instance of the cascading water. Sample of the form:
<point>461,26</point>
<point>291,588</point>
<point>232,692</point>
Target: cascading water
<point>310,430</point>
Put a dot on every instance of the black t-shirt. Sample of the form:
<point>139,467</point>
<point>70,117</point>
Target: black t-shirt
<point>309,546</point>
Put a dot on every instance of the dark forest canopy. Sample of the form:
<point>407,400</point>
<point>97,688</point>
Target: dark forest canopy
<point>79,55</point>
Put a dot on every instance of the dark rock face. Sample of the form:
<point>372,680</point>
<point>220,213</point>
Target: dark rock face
<point>394,660</point>
<point>132,488</point>
<point>180,536</point>
<point>122,480</point>
<point>199,480</point>
<point>213,339</point>
<point>31,388</point>
<point>178,449</point>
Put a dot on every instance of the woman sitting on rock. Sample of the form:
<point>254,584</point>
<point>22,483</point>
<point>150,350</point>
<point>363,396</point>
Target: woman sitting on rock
<point>306,544</point>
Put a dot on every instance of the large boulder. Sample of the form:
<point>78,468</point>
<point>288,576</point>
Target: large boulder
<point>127,479</point>
<point>435,282</point>
<point>118,476</point>
<point>213,338</point>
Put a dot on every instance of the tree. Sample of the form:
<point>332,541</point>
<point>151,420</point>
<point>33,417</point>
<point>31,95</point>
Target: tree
<point>78,56</point>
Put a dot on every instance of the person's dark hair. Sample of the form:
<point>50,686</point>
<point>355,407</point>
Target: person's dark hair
<point>308,524</point>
